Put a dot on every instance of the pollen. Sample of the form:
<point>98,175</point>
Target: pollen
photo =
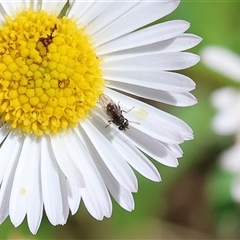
<point>50,76</point>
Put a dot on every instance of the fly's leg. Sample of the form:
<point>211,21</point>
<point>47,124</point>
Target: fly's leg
<point>109,123</point>
<point>128,110</point>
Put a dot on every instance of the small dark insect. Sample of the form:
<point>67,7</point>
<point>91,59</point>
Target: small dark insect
<point>48,40</point>
<point>114,112</point>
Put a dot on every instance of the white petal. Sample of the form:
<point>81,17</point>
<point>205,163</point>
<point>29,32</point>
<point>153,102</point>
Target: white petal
<point>121,195</point>
<point>95,195</point>
<point>50,174</point>
<point>166,81</point>
<point>55,6</point>
<point>6,153</point>
<point>146,36</point>
<point>223,61</point>
<point>96,9</point>
<point>34,4</point>
<point>22,184</point>
<point>13,7</point>
<point>77,9</point>
<point>154,61</point>
<point>172,98</point>
<point>64,193</point>
<point>35,207</point>
<point>65,162</point>
<point>4,130</point>
<point>2,15</point>
<point>7,182</point>
<point>178,44</point>
<point>74,197</point>
<point>113,160</point>
<point>174,149</point>
<point>151,147</point>
<point>181,43</point>
<point>110,14</point>
<point>137,159</point>
<point>24,5</point>
<point>129,22</point>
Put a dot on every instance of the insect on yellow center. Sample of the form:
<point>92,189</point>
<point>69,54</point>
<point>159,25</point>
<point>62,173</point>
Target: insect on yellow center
<point>49,73</point>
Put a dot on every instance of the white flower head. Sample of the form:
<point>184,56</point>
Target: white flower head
<point>223,61</point>
<point>60,143</point>
<point>229,161</point>
<point>227,102</point>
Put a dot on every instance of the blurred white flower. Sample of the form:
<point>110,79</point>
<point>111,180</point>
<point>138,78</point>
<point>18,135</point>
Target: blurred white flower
<point>223,61</point>
<point>57,151</point>
<point>227,103</point>
<point>230,161</point>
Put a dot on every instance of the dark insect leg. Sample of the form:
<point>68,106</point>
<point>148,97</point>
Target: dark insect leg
<point>128,110</point>
<point>110,122</point>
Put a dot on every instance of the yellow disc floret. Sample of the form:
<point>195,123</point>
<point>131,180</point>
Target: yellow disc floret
<point>49,73</point>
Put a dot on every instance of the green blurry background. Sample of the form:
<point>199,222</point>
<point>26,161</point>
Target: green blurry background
<point>193,201</point>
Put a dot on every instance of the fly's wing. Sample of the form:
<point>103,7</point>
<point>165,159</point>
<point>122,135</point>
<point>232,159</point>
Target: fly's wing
<point>104,101</point>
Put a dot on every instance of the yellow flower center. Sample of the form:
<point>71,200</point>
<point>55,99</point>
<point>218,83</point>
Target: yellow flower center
<point>49,73</point>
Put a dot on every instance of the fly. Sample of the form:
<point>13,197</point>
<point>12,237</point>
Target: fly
<point>114,112</point>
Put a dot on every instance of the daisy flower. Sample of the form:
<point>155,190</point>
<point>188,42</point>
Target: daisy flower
<point>56,149</point>
<point>227,103</point>
<point>226,100</point>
